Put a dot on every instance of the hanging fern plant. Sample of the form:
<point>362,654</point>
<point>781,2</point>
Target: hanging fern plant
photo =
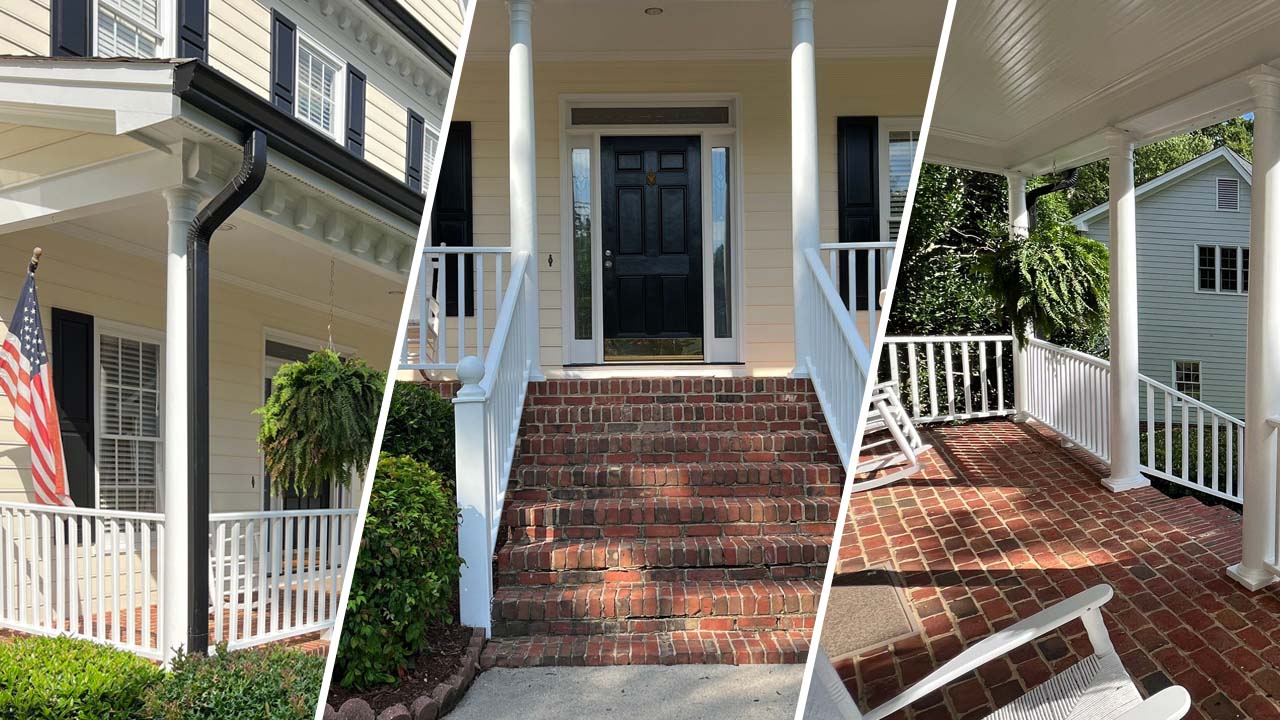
<point>319,422</point>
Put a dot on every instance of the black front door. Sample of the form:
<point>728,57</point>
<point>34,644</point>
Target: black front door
<point>651,227</point>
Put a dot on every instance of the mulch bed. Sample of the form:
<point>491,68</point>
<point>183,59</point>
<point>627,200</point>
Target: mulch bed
<point>444,655</point>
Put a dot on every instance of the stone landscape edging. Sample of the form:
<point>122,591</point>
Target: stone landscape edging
<point>428,706</point>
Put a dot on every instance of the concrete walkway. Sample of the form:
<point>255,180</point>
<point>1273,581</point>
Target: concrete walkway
<point>642,692</point>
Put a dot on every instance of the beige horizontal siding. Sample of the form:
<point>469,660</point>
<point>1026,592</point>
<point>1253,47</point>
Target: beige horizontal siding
<point>24,27</point>
<point>442,17</point>
<point>882,87</point>
<point>240,42</point>
<point>385,132</point>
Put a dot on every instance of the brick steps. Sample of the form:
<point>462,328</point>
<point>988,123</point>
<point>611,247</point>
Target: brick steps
<point>670,517</point>
<point>673,417</point>
<point>661,648</point>
<point>694,447</point>
<point>599,608</point>
<point>575,482</point>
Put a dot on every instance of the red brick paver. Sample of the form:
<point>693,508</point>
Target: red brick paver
<point>1003,522</point>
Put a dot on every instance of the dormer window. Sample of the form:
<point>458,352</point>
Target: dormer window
<point>1228,194</point>
<point>129,28</point>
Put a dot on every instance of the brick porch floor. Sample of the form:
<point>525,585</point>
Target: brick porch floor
<point>1003,522</point>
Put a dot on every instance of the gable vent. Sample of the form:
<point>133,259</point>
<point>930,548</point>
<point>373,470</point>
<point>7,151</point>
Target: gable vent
<point>1228,194</point>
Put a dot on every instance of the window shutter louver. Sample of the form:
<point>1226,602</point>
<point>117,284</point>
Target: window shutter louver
<point>355,111</point>
<point>413,151</point>
<point>859,198</point>
<point>1228,194</point>
<point>193,29</point>
<point>69,28</point>
<point>72,365</point>
<point>451,213</point>
<point>284,48</point>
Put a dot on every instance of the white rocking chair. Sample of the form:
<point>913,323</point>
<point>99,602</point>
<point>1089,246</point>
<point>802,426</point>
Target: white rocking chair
<point>887,416</point>
<point>1096,688</point>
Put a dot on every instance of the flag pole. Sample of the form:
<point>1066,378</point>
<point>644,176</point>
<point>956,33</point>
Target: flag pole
<point>35,260</point>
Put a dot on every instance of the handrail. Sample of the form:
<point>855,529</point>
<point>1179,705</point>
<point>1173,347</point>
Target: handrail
<point>1069,352</point>
<point>858,246</point>
<point>843,319</point>
<point>271,514</point>
<point>85,512</point>
<point>947,338</point>
<point>466,250</point>
<point>502,329</point>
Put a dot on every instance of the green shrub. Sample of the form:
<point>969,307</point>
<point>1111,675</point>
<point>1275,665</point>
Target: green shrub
<point>271,683</point>
<point>420,426</point>
<point>47,678</point>
<point>405,576</point>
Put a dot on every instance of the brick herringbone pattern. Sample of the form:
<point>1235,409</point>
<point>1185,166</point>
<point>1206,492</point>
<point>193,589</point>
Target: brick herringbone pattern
<point>1003,522</point>
<point>665,521</point>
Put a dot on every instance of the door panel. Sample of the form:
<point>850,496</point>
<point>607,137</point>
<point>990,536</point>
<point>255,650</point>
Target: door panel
<point>651,230</point>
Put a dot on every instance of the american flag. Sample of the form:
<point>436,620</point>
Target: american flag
<point>26,379</point>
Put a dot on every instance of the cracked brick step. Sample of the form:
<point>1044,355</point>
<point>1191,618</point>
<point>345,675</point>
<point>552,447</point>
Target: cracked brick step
<point>705,647</point>
<point>601,608</point>
<point>732,447</point>
<point>617,480</point>
<point>670,517</point>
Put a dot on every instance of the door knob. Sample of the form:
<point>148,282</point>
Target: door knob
<point>608,263</point>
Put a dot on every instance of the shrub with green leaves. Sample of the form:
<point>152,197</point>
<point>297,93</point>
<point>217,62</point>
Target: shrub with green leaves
<point>267,683</point>
<point>405,574</point>
<point>319,422</point>
<point>48,678</point>
<point>420,426</point>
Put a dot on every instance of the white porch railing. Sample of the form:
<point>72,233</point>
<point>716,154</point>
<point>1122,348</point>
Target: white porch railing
<point>951,377</point>
<point>487,412</point>
<point>838,360</point>
<point>859,271</point>
<point>276,575</point>
<point>469,281</point>
<point>84,572</point>
<point>1183,440</point>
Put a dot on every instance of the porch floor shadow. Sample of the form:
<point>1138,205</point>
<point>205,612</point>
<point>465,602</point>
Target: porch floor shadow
<point>1004,521</point>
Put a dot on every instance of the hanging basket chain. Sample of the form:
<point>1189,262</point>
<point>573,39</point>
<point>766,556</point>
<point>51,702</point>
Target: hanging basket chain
<point>332,264</point>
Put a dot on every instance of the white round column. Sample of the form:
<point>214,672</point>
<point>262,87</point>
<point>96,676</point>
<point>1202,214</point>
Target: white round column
<point>523,157</point>
<point>1019,222</point>
<point>805,214</point>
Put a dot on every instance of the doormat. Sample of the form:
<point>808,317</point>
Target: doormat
<point>865,611</point>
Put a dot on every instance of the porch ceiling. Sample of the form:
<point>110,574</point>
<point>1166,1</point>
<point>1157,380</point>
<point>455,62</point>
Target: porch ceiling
<point>1030,86</point>
<point>249,252</point>
<point>729,29</point>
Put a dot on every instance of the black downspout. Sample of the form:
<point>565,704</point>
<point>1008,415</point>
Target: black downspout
<point>209,219</point>
<point>1066,182</point>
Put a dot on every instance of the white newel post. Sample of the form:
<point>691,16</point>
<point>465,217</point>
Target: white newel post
<point>805,216</point>
<point>1018,225</point>
<point>1122,430</point>
<point>475,502</point>
<point>1262,355</point>
<point>523,155</point>
<point>182,204</point>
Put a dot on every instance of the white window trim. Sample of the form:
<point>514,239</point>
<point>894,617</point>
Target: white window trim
<point>889,125</point>
<point>1217,269</point>
<point>1217,194</point>
<point>113,328</point>
<point>1173,377</point>
<point>338,133</point>
<point>714,350</point>
<point>166,18</point>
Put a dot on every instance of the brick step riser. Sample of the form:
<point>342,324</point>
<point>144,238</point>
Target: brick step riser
<point>701,648</point>
<point>670,386</point>
<point>812,571</point>
<point>675,491</point>
<point>746,623</point>
<point>624,476</point>
<point>679,427</point>
<point>624,557</point>
<point>712,529</point>
<point>673,513</point>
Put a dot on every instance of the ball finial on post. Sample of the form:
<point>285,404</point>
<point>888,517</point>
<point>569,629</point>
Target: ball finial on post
<point>470,373</point>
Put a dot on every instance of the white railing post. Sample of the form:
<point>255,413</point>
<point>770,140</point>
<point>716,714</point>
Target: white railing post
<point>805,214</point>
<point>1262,348</point>
<point>1021,381</point>
<point>172,630</point>
<point>523,156</point>
<point>474,495</point>
<point>1122,431</point>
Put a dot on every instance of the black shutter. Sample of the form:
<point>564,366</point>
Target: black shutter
<point>413,151</point>
<point>355,111</point>
<point>69,28</point>
<point>72,364</point>
<point>859,198</point>
<point>451,213</point>
<point>284,57</point>
<point>193,29</point>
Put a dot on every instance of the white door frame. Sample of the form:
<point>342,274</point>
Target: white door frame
<point>715,350</point>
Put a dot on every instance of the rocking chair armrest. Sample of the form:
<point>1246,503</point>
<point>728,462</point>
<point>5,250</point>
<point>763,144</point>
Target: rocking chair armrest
<point>1171,703</point>
<point>999,644</point>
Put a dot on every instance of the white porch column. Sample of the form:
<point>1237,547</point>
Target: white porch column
<point>1262,355</point>
<point>182,205</point>
<point>805,216</point>
<point>1018,225</point>
<point>1123,420</point>
<point>523,155</point>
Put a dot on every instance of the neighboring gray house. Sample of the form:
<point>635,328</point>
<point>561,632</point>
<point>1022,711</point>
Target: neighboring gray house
<point>1193,276</point>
